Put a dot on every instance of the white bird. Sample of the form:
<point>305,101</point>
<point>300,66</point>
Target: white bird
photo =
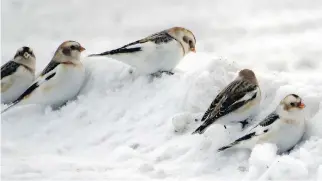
<point>17,74</point>
<point>284,127</point>
<point>157,53</point>
<point>237,103</point>
<point>59,82</point>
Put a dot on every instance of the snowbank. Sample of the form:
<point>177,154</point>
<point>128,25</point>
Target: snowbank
<point>129,127</point>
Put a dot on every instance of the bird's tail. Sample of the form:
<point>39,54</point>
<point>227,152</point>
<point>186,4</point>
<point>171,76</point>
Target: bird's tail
<point>201,129</point>
<point>100,54</point>
<point>224,148</point>
<point>10,106</point>
<point>94,55</point>
<point>229,146</point>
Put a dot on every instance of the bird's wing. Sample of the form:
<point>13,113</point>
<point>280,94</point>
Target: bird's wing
<point>236,95</point>
<point>9,68</point>
<point>52,65</point>
<point>50,73</point>
<point>212,106</point>
<point>262,128</point>
<point>270,119</point>
<point>157,38</point>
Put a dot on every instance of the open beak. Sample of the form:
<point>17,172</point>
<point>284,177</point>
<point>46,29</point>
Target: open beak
<point>81,49</point>
<point>193,49</point>
<point>301,105</point>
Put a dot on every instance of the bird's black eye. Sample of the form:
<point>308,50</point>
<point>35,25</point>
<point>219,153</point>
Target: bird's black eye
<point>73,47</point>
<point>186,39</point>
<point>292,104</point>
<point>191,43</point>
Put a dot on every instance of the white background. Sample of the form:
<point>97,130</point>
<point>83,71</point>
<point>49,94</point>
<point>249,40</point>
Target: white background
<point>121,127</point>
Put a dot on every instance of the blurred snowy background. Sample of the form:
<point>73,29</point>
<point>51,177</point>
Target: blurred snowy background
<point>121,127</point>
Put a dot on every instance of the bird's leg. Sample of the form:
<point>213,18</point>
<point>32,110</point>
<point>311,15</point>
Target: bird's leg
<point>167,72</point>
<point>159,73</point>
<point>156,74</point>
<point>130,71</point>
<point>244,123</point>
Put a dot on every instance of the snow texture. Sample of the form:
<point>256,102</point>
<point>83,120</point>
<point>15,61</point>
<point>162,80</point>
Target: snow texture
<point>127,126</point>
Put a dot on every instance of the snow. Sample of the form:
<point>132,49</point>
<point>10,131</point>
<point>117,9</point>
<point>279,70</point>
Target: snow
<point>130,127</point>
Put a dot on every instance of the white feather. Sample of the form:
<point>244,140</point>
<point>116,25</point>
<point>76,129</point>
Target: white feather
<point>153,57</point>
<point>14,85</point>
<point>248,110</point>
<point>63,86</point>
<point>285,132</point>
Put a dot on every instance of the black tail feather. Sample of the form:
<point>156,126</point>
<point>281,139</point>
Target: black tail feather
<point>11,105</point>
<point>117,51</point>
<point>26,94</point>
<point>200,129</point>
<point>224,148</point>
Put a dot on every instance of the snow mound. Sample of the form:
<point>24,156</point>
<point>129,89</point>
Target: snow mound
<point>143,127</point>
<point>125,126</point>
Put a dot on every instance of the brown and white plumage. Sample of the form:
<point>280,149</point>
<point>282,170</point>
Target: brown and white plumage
<point>17,74</point>
<point>160,52</point>
<point>284,127</point>
<point>236,103</point>
<point>59,82</point>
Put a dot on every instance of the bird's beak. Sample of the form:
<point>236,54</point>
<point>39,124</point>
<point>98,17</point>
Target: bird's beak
<point>301,105</point>
<point>193,49</point>
<point>81,49</point>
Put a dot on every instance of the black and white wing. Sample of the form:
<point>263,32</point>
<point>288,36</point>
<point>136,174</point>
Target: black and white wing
<point>237,94</point>
<point>9,68</point>
<point>213,105</point>
<point>263,127</point>
<point>138,46</point>
<point>51,66</point>
<point>48,73</point>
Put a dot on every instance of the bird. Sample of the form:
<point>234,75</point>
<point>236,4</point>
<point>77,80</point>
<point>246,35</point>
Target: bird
<point>238,102</point>
<point>284,127</point>
<point>60,80</point>
<point>17,74</point>
<point>156,54</point>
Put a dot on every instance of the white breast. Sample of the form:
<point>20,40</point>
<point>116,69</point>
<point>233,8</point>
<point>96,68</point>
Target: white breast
<point>288,133</point>
<point>153,57</point>
<point>64,86</point>
<point>14,85</point>
<point>246,111</point>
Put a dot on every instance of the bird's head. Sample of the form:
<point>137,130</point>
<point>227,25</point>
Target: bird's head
<point>24,53</point>
<point>25,56</point>
<point>69,51</point>
<point>185,37</point>
<point>292,103</point>
<point>248,74</point>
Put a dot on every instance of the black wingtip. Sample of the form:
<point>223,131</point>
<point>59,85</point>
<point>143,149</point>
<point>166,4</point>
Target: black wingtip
<point>7,108</point>
<point>199,130</point>
<point>223,148</point>
<point>194,132</point>
<point>94,55</point>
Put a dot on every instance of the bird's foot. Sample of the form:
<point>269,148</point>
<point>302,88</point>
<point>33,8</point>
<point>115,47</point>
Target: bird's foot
<point>167,72</point>
<point>244,123</point>
<point>159,74</point>
<point>131,71</point>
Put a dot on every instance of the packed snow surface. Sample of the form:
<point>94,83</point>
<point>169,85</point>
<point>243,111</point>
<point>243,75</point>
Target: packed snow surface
<point>127,126</point>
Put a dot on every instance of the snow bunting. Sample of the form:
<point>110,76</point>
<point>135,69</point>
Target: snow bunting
<point>17,74</point>
<point>60,81</point>
<point>283,127</point>
<point>238,102</point>
<point>157,53</point>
